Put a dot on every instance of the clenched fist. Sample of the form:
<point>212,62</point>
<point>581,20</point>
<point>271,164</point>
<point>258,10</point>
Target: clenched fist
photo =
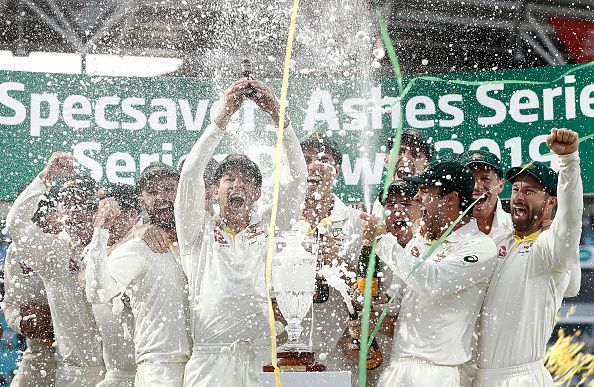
<point>563,141</point>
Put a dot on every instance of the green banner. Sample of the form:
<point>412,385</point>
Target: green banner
<point>116,126</point>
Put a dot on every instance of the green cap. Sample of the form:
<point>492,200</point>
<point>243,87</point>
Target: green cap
<point>483,157</point>
<point>543,173</point>
<point>449,174</point>
<point>405,188</point>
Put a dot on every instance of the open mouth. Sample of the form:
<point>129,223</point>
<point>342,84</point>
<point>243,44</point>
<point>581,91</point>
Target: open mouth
<point>314,180</point>
<point>401,224</point>
<point>425,215</point>
<point>519,211</point>
<point>482,201</point>
<point>236,200</point>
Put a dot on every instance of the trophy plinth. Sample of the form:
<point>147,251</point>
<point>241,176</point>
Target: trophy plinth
<point>293,277</point>
<point>296,362</point>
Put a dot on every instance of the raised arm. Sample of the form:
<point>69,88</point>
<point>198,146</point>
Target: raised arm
<point>18,221</point>
<point>559,245</point>
<point>190,200</point>
<point>100,287</point>
<point>292,190</point>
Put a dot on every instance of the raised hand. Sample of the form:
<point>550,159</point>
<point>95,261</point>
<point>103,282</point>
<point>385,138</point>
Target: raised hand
<point>60,164</point>
<point>370,228</point>
<point>563,141</point>
<point>232,101</point>
<point>266,100</point>
<point>107,212</point>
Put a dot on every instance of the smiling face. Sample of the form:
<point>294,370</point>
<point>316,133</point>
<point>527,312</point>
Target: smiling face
<point>411,160</point>
<point>405,211</point>
<point>529,201</point>
<point>436,208</point>
<point>237,191</point>
<point>157,198</point>
<point>488,183</point>
<point>322,172</point>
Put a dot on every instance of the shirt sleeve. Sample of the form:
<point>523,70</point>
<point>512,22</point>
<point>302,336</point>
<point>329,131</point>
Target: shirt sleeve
<point>100,287</point>
<point>20,288</point>
<point>559,245</point>
<point>292,191</point>
<point>127,263</point>
<point>575,282</point>
<point>190,200</point>
<point>469,265</point>
<point>12,301</point>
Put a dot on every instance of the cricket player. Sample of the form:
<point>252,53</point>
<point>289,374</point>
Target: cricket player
<point>117,215</point>
<point>335,228</point>
<point>440,298</point>
<point>528,286</point>
<point>416,150</point>
<point>25,304</point>
<point>404,213</point>
<point>224,256</point>
<point>56,259</point>
<point>156,286</point>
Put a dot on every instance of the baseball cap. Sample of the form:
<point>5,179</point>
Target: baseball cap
<point>481,156</point>
<point>242,163</point>
<point>416,138</point>
<point>323,144</point>
<point>405,188</point>
<point>155,169</point>
<point>543,173</point>
<point>449,174</point>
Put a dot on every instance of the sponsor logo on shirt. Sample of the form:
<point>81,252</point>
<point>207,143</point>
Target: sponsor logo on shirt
<point>525,248</point>
<point>415,252</point>
<point>502,252</point>
<point>470,258</point>
<point>73,265</point>
<point>25,269</point>
<point>439,257</point>
<point>219,237</point>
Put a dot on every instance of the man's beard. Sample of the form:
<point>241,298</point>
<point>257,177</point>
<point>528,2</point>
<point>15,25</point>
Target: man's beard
<point>156,219</point>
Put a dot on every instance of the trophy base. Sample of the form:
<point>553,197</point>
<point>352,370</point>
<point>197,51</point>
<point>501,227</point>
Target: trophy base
<point>296,362</point>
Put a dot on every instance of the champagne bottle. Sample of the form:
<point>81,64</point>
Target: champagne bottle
<point>246,72</point>
<point>374,358</point>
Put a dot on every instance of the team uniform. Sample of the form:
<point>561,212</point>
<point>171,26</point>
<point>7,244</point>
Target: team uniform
<point>344,226</point>
<point>56,259</point>
<point>114,325</point>
<point>226,271</point>
<point>38,365</point>
<point>439,304</point>
<point>527,290</point>
<point>157,288</point>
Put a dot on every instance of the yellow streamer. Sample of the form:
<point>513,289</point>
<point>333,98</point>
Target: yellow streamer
<point>277,177</point>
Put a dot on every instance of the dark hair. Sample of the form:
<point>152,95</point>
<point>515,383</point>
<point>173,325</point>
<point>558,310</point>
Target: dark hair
<point>414,138</point>
<point>242,163</point>
<point>124,194</point>
<point>155,169</point>
<point>325,144</point>
<point>465,200</point>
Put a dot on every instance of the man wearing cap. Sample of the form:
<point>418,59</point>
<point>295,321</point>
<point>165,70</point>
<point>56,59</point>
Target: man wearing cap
<point>404,213</point>
<point>488,184</point>
<point>441,296</point>
<point>57,260</point>
<point>117,214</point>
<point>528,287</point>
<point>25,296</point>
<point>335,228</point>
<point>224,256</point>
<point>415,151</point>
<point>156,286</point>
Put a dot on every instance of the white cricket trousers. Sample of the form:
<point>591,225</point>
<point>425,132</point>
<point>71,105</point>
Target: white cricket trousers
<point>415,372</point>
<point>72,376</point>
<point>525,375</point>
<point>149,374</point>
